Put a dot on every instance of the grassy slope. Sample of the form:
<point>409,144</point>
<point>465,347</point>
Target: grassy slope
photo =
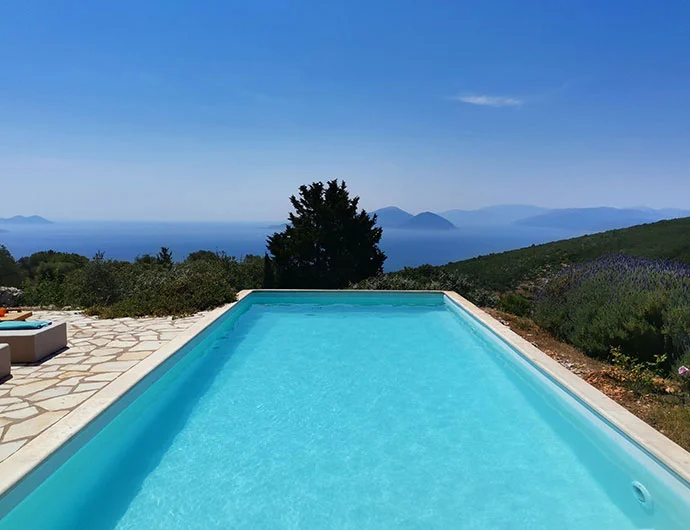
<point>508,270</point>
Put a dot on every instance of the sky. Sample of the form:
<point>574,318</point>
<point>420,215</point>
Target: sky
<point>219,110</point>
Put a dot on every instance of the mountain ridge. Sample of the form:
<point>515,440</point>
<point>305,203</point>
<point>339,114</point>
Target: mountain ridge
<point>588,219</point>
<point>600,218</point>
<point>500,214</point>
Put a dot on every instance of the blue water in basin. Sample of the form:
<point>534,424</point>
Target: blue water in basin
<point>342,411</point>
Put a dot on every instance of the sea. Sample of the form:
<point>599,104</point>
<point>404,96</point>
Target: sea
<point>127,240</point>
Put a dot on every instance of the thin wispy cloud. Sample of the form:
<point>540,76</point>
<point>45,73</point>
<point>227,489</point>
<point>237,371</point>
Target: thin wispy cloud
<point>489,101</point>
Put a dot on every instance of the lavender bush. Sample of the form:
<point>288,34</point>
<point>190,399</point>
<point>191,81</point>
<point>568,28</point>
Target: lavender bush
<point>639,306</point>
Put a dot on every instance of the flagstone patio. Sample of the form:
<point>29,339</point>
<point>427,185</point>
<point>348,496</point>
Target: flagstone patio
<point>38,395</point>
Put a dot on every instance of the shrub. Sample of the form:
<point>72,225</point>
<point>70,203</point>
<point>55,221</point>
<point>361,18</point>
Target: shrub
<point>46,292</point>
<point>678,371</point>
<point>245,273</point>
<point>204,255</point>
<point>515,303</point>
<point>45,274</point>
<point>428,278</point>
<point>638,305</point>
<point>10,274</point>
<point>641,377</point>
<point>50,264</point>
<point>96,284</point>
<point>177,289</point>
<point>151,285</point>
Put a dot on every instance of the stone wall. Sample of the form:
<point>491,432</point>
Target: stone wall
<point>10,296</point>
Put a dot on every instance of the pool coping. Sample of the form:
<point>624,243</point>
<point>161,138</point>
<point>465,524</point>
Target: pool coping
<point>29,457</point>
<point>20,464</point>
<point>665,450</point>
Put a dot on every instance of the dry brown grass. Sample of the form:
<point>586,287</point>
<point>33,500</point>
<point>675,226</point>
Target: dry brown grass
<point>661,409</point>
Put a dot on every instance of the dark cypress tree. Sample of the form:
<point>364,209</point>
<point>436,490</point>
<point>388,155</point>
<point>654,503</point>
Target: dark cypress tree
<point>269,273</point>
<point>328,243</point>
<point>164,257</point>
<point>10,273</point>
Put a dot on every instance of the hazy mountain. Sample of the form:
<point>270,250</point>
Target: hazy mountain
<point>427,221</point>
<point>30,220</point>
<point>573,219</point>
<point>595,219</point>
<point>391,216</point>
<point>493,215</point>
<point>673,213</point>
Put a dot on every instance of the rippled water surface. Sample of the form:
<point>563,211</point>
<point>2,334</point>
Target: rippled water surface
<point>335,415</point>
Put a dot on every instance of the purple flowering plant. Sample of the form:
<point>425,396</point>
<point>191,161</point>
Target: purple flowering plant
<point>641,306</point>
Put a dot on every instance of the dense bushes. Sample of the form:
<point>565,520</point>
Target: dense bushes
<point>96,284</point>
<point>640,307</point>
<point>10,275</point>
<point>134,290</point>
<point>152,285</point>
<point>428,278</point>
<point>43,275</point>
<point>515,304</point>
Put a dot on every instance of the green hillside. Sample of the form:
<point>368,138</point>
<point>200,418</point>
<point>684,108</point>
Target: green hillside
<point>510,270</point>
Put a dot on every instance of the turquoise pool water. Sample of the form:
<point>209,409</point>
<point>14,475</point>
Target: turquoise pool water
<point>348,411</point>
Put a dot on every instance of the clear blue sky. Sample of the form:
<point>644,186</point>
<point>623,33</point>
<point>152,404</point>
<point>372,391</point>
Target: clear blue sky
<point>218,110</point>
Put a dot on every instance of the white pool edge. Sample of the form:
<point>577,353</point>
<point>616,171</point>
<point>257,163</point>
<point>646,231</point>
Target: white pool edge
<point>27,458</point>
<point>35,452</point>
<point>666,451</point>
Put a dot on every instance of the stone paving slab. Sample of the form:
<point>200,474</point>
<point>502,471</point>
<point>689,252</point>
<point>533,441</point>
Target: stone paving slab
<point>98,352</point>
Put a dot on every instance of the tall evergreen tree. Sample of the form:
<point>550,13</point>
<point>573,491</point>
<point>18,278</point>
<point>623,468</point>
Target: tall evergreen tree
<point>165,257</point>
<point>328,243</point>
<point>269,273</point>
<point>10,274</point>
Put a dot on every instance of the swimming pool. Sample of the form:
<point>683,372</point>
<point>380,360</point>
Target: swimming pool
<point>349,410</point>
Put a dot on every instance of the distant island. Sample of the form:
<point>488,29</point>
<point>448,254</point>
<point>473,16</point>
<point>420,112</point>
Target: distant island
<point>25,220</point>
<point>391,216</point>
<point>394,217</point>
<point>427,221</point>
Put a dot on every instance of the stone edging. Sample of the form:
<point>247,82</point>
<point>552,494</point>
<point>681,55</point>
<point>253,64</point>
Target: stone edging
<point>665,450</point>
<point>22,462</point>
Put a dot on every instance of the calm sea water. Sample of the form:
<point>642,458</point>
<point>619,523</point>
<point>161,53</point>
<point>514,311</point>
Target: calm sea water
<point>126,240</point>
